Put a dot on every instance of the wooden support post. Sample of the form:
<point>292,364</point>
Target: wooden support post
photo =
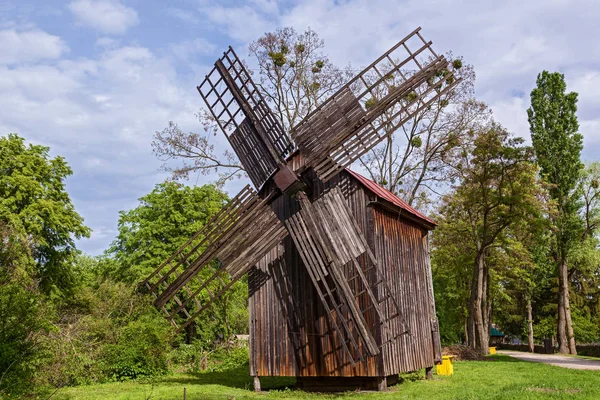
<point>256,384</point>
<point>381,383</point>
<point>429,373</point>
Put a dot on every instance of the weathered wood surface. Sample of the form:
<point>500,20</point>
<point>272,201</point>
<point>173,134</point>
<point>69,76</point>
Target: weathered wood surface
<point>325,246</point>
<point>291,333</point>
<point>252,153</point>
<point>399,246</point>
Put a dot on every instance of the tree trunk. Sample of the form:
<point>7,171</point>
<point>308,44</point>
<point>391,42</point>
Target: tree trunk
<point>561,336</point>
<point>530,326</point>
<point>564,272</point>
<point>478,338</point>
<point>486,308</point>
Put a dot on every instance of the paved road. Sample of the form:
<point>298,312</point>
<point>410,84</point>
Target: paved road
<point>555,359</point>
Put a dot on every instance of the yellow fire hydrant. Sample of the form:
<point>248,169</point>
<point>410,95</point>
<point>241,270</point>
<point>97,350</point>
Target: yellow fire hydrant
<point>445,368</point>
<point>492,350</point>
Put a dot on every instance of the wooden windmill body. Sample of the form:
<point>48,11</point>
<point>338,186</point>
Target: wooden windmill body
<point>289,331</point>
<point>340,289</point>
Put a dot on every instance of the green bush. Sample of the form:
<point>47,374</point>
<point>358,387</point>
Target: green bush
<point>23,321</point>
<point>196,357</point>
<point>141,350</point>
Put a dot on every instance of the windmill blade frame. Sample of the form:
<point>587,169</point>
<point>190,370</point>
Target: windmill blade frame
<point>238,237</point>
<point>330,244</point>
<point>372,105</point>
<point>245,118</point>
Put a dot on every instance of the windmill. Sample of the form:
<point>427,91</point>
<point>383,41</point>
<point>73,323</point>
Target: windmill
<point>362,311</point>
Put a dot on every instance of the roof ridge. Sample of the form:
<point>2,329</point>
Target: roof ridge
<point>389,196</point>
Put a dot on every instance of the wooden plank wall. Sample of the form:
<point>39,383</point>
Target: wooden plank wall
<point>289,333</point>
<point>399,248</point>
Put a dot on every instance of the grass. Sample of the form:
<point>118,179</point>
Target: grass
<point>498,377</point>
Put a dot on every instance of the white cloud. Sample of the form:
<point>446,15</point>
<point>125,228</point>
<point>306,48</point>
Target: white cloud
<point>100,114</point>
<point>107,16</point>
<point>242,23</point>
<point>100,110</point>
<point>512,113</point>
<point>199,46</point>
<point>107,42</point>
<point>28,46</point>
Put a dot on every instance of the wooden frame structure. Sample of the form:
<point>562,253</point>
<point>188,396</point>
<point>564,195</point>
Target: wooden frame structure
<point>290,333</point>
<point>348,282</point>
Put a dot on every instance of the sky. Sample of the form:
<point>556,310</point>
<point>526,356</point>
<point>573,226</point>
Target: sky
<point>95,79</point>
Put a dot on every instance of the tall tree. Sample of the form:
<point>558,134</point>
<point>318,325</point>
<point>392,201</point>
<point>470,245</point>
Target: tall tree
<point>293,75</point>
<point>38,227</point>
<point>34,201</point>
<point>557,143</point>
<point>497,188</point>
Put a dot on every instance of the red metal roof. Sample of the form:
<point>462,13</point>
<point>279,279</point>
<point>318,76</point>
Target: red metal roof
<point>389,196</point>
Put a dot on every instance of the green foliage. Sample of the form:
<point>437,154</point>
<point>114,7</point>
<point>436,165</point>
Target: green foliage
<point>554,135</point>
<point>140,349</point>
<point>165,219</point>
<point>457,64</point>
<point>34,201</point>
<point>416,142</point>
<point>412,96</point>
<point>106,331</point>
<point>586,329</point>
<point>38,225</point>
<point>24,318</point>
<point>370,102</point>
<point>451,262</point>
<point>497,190</point>
<point>278,58</point>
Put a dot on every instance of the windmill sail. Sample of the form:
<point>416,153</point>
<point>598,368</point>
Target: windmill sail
<point>384,96</point>
<point>216,257</point>
<point>330,244</point>
<point>243,115</point>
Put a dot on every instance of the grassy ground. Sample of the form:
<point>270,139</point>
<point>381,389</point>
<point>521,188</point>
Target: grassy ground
<point>499,377</point>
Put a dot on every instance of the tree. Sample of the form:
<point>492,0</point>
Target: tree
<point>522,272</point>
<point>294,77</point>
<point>451,265</point>
<point>34,201</point>
<point>497,188</point>
<point>38,224</point>
<point>557,143</point>
<point>24,318</point>
<point>584,256</point>
<point>414,161</point>
<point>165,219</point>
<point>590,189</point>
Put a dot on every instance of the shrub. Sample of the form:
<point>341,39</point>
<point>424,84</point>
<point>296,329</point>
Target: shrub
<point>197,357</point>
<point>141,350</point>
<point>462,353</point>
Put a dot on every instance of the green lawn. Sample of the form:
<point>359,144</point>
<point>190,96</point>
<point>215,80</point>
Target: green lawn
<point>499,377</point>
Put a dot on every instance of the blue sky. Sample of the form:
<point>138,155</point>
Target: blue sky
<point>94,79</point>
